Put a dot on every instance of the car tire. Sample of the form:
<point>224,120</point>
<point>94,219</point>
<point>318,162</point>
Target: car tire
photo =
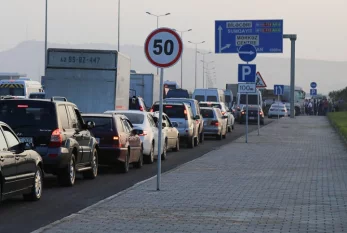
<point>125,165</point>
<point>139,163</point>
<point>92,173</point>
<point>232,127</point>
<point>219,137</point>
<point>36,191</point>
<point>163,155</point>
<point>225,135</point>
<point>177,148</point>
<point>191,143</point>
<point>229,129</point>
<point>202,137</point>
<point>150,158</point>
<point>196,141</point>
<point>67,176</point>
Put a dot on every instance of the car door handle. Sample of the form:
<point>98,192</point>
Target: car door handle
<point>2,159</point>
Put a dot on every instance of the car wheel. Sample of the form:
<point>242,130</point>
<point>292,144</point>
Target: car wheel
<point>177,148</point>
<point>232,127</point>
<point>163,155</point>
<point>68,176</point>
<point>150,157</point>
<point>229,129</point>
<point>92,173</point>
<point>196,141</point>
<point>36,191</point>
<point>225,135</point>
<point>139,163</point>
<point>219,136</point>
<point>191,142</point>
<point>125,164</point>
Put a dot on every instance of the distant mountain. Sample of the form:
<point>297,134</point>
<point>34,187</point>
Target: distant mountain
<point>28,57</point>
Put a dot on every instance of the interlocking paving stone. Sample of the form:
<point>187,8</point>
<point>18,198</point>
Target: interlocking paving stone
<point>290,178</point>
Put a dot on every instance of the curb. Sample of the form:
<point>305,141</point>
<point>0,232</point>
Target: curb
<point>343,138</point>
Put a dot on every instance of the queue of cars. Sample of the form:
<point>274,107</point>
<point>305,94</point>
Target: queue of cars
<point>51,136</point>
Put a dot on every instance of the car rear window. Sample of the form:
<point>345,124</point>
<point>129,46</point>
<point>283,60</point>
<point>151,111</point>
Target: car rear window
<point>210,105</point>
<point>134,104</point>
<point>200,98</point>
<point>211,98</point>
<point>173,111</point>
<point>101,123</point>
<point>134,118</point>
<point>177,93</point>
<point>28,114</point>
<point>228,98</point>
<point>207,113</point>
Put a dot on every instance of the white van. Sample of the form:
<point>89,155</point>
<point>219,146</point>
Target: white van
<point>209,95</point>
<point>21,87</point>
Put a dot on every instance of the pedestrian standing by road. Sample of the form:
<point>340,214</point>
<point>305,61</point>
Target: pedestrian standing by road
<point>315,107</point>
<point>310,108</point>
<point>325,106</point>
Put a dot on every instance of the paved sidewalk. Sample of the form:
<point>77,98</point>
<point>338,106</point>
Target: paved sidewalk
<point>291,178</point>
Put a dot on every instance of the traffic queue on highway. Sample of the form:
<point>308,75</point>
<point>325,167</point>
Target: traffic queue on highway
<point>52,136</point>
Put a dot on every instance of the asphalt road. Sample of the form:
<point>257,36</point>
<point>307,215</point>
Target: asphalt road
<point>17,216</point>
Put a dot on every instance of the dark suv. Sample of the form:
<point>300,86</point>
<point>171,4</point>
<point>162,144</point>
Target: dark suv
<point>137,103</point>
<point>56,130</point>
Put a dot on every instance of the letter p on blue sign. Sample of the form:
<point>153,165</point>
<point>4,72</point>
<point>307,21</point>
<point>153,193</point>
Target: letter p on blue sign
<point>247,73</point>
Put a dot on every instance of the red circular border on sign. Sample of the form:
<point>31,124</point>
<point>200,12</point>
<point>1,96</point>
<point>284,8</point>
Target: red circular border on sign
<point>180,47</point>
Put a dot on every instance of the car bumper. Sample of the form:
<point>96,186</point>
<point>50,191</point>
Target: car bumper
<point>212,130</point>
<point>111,155</point>
<point>54,158</point>
<point>185,133</point>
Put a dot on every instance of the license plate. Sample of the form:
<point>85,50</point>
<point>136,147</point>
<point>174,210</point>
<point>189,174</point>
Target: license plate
<point>98,140</point>
<point>251,118</point>
<point>26,139</point>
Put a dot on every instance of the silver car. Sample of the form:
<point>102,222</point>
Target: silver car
<point>182,118</point>
<point>223,108</point>
<point>214,122</point>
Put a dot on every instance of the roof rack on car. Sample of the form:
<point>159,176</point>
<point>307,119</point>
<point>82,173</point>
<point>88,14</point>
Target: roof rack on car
<point>58,98</point>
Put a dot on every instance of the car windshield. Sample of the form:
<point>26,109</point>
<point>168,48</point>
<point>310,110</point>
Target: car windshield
<point>134,118</point>
<point>37,96</point>
<point>101,123</point>
<point>252,99</point>
<point>207,113</point>
<point>172,111</point>
<point>28,114</point>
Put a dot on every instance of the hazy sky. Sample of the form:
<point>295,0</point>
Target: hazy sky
<point>321,25</point>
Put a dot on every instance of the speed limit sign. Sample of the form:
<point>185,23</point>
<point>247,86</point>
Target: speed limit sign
<point>163,47</point>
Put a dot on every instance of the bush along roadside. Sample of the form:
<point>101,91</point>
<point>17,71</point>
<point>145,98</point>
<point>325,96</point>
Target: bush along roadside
<point>339,122</point>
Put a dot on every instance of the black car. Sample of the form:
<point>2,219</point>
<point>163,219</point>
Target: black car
<point>137,103</point>
<point>119,143</point>
<point>57,132</point>
<point>20,167</point>
<point>252,114</point>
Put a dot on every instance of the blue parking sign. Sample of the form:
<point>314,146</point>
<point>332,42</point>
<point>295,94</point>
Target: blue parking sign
<point>247,73</point>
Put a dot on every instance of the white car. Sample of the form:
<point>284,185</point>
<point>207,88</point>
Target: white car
<point>288,109</point>
<point>144,121</point>
<point>173,136</point>
<point>278,109</point>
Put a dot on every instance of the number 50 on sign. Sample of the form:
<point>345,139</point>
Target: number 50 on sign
<point>163,47</point>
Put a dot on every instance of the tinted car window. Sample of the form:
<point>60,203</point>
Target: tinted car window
<point>134,118</point>
<point>11,139</point>
<point>134,104</point>
<point>210,105</point>
<point>63,117</point>
<point>228,98</point>
<point>28,114</point>
<point>211,98</point>
<point>101,123</point>
<point>179,93</point>
<point>3,144</point>
<point>200,98</point>
<point>252,99</point>
<point>37,96</point>
<point>172,111</point>
<point>73,118</point>
<point>207,113</point>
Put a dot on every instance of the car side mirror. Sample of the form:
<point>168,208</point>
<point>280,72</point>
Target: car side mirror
<point>137,131</point>
<point>90,125</point>
<point>163,125</point>
<point>19,148</point>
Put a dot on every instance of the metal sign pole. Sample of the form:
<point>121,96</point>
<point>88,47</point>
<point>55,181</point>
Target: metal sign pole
<point>278,108</point>
<point>160,127</point>
<point>247,117</point>
<point>258,115</point>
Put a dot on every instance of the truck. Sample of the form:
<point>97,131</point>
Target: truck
<point>234,89</point>
<point>11,76</point>
<point>95,80</point>
<point>21,87</point>
<point>145,86</point>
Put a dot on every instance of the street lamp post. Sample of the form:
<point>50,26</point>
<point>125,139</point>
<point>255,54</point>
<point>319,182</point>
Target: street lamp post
<point>181,32</point>
<point>158,16</point>
<point>118,24</point>
<point>196,57</point>
<point>45,38</point>
<point>203,67</point>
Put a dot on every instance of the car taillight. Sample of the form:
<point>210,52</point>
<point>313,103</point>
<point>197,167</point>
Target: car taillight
<point>141,109</point>
<point>242,113</point>
<point>116,141</point>
<point>144,133</point>
<point>215,123</point>
<point>260,113</point>
<point>185,115</point>
<point>151,110</point>
<point>223,113</point>
<point>56,139</point>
